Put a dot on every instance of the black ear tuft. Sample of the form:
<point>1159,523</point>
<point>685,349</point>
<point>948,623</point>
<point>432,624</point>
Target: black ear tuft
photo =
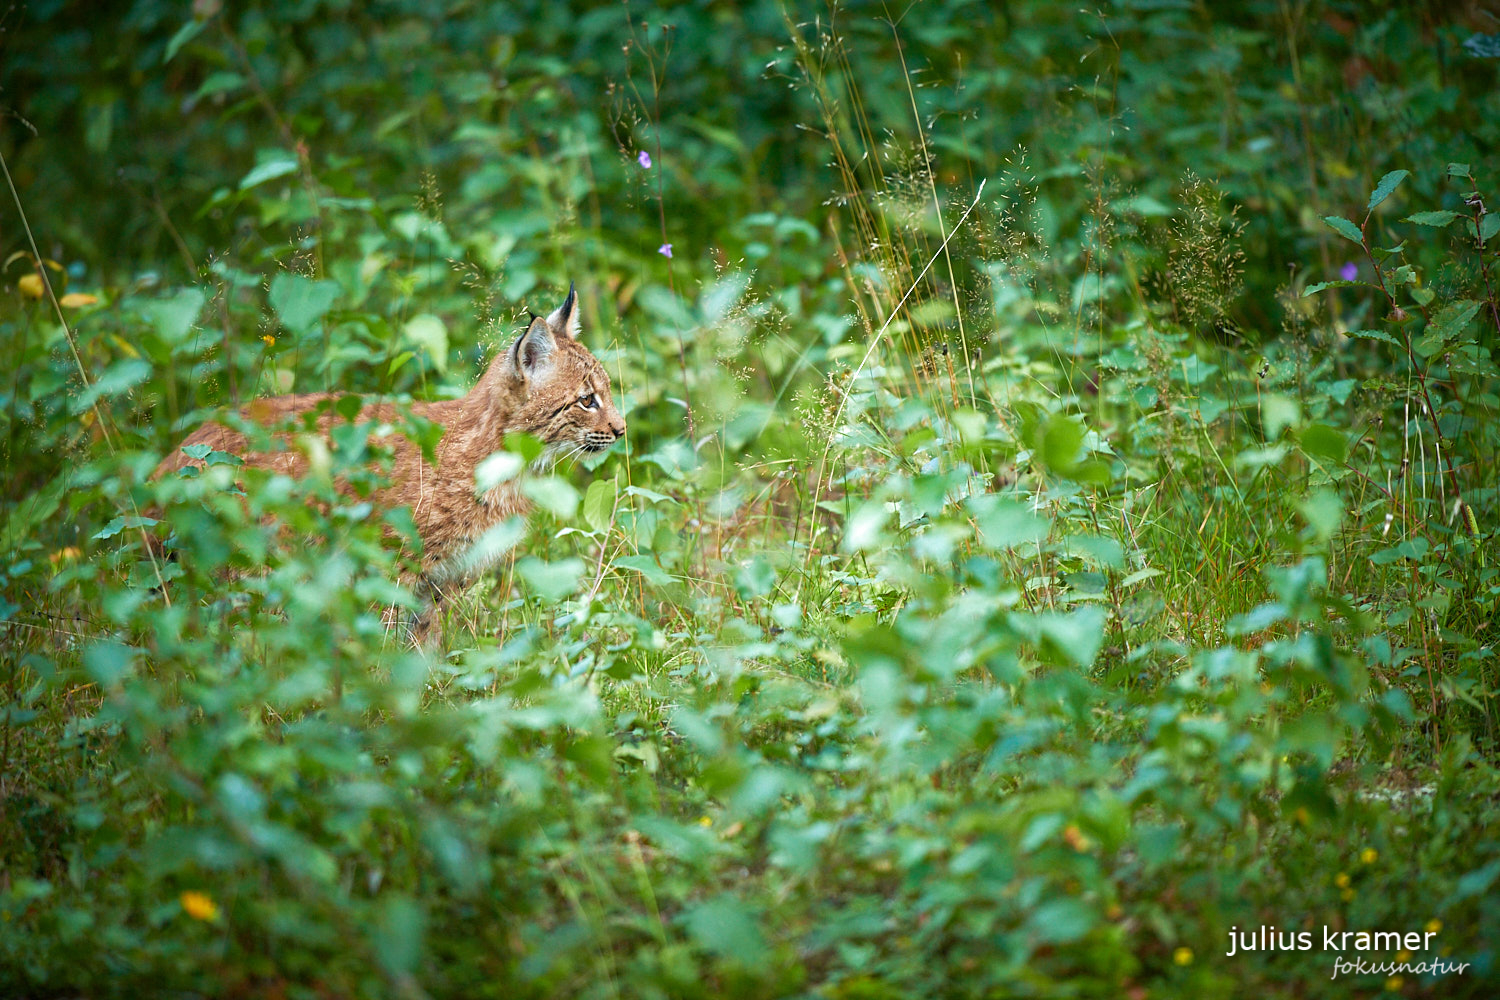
<point>564,322</point>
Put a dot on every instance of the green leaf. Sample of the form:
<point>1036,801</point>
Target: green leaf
<point>724,926</point>
<point>1336,283</point>
<point>1432,218</point>
<point>1345,228</point>
<point>1374,335</point>
<point>430,334</point>
<point>1489,226</point>
<point>1277,412</point>
<point>279,165</point>
<point>552,581</point>
<point>755,578</point>
<point>1324,443</point>
<point>1446,327</point>
<point>1005,524</point>
<point>1061,440</point>
<point>599,504</point>
<point>1387,184</point>
<point>556,496</point>
<point>647,567</point>
<point>181,37</point>
<point>1324,512</point>
<point>122,376</point>
<point>108,662</point>
<point>174,317</point>
<point>1060,921</point>
<point>300,302</point>
<point>397,937</point>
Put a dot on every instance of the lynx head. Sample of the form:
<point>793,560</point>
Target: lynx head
<point>559,391</point>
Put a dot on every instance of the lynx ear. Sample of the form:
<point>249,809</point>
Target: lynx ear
<point>564,322</point>
<point>532,349</point>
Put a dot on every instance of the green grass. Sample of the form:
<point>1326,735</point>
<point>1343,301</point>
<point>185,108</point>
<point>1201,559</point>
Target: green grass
<point>1012,580</point>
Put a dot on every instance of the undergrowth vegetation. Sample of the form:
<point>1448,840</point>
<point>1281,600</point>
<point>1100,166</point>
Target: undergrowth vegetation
<point>1057,527</point>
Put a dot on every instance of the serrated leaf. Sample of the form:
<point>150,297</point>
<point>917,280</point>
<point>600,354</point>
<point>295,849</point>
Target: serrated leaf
<point>1345,228</point>
<point>1336,283</point>
<point>1432,218</point>
<point>1446,327</point>
<point>1374,335</point>
<point>1488,226</point>
<point>1387,184</point>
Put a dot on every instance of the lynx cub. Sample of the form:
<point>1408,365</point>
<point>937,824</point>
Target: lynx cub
<point>546,384</point>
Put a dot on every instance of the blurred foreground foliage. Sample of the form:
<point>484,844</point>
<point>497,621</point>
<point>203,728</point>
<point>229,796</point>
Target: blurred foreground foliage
<point>1057,525</point>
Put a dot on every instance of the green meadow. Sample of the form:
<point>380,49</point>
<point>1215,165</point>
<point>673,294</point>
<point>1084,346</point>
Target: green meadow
<point>1055,551</point>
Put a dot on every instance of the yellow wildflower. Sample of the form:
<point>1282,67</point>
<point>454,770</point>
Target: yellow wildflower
<point>1394,983</point>
<point>1433,926</point>
<point>198,906</point>
<point>1183,956</point>
<point>705,821</point>
<point>1347,895</point>
<point>1368,855</point>
<point>1341,880</point>
<point>268,340</point>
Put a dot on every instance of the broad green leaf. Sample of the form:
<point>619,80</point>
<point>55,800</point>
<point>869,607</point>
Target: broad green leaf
<point>724,926</point>
<point>1324,511</point>
<point>496,468</point>
<point>397,937</point>
<point>1387,184</point>
<point>755,577</point>
<point>1489,226</point>
<point>121,523</point>
<point>1446,327</point>
<point>647,567</point>
<point>108,661</point>
<point>1005,524</point>
<point>553,494</point>
<point>599,504</point>
<point>1061,440</point>
<point>1277,412</point>
<point>428,332</point>
<point>551,581</point>
<point>1375,335</point>
<point>1345,228</point>
<point>300,302</point>
<point>1062,920</point>
<point>1324,443</point>
<point>173,317</point>
<point>278,165</point>
<point>1432,218</point>
<point>122,376</point>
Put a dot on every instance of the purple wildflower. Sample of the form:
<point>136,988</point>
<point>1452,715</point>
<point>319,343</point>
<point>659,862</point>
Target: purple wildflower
<point>665,249</point>
<point>644,160</point>
<point>1349,271</point>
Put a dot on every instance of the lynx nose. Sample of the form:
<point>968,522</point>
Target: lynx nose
<point>617,428</point>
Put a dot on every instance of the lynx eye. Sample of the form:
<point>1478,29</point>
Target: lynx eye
<point>589,401</point>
